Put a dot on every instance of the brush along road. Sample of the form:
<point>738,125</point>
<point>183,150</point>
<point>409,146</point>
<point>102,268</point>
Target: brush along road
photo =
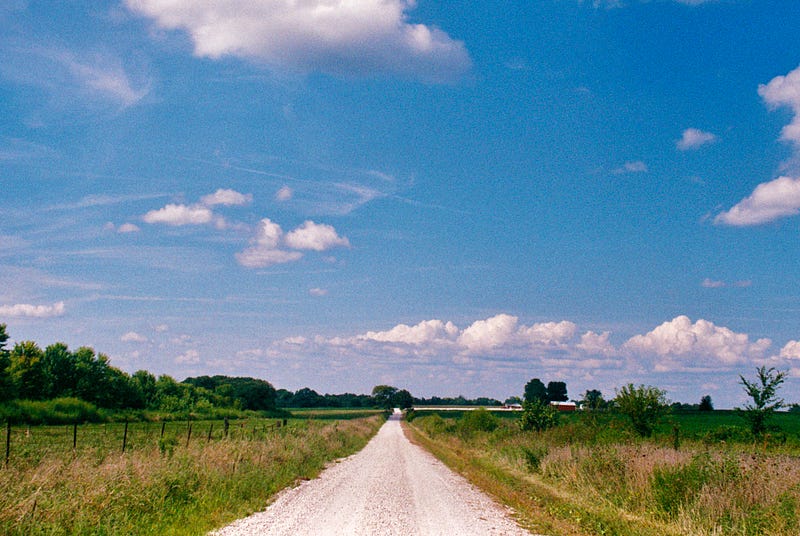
<point>390,487</point>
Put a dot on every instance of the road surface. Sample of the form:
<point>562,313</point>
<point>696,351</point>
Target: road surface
<point>390,487</point>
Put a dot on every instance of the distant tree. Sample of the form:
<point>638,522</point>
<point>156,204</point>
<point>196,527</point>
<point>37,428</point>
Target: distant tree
<point>61,372</point>
<point>145,383</point>
<point>513,400</point>
<point>383,396</point>
<point>283,398</point>
<point>28,372</point>
<point>535,390</point>
<point>307,398</point>
<point>593,400</point>
<point>538,415</point>
<point>557,392</point>
<point>643,405</point>
<point>794,408</point>
<point>7,387</point>
<point>402,399</point>
<point>706,404</point>
<point>763,391</point>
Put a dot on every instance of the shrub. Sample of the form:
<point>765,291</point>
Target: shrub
<point>538,415</point>
<point>479,420</point>
<point>55,411</point>
<point>643,405</point>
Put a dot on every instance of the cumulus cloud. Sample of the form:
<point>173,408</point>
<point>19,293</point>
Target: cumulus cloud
<point>264,249</point>
<point>176,215</point>
<point>284,194</point>
<point>771,200</point>
<point>227,198</point>
<point>426,332</point>
<point>315,236</point>
<point>32,311</point>
<point>128,228</point>
<point>693,138</point>
<point>132,336</point>
<point>785,91</point>
<point>485,335</point>
<point>682,344</point>
<point>358,37</point>
<point>189,357</point>
<point>791,350</point>
<point>199,213</point>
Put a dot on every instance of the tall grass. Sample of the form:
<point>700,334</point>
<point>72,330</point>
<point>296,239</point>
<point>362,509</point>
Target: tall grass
<point>166,487</point>
<point>591,476</point>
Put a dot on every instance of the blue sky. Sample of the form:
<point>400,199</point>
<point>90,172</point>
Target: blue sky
<point>449,199</point>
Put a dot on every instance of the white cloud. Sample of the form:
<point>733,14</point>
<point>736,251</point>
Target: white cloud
<point>33,311</point>
<point>693,138</point>
<point>597,344</point>
<point>631,167</point>
<point>426,332</point>
<point>189,357</point>
<point>359,37</point>
<point>768,202</point>
<point>318,292</point>
<point>695,344</point>
<point>710,283</point>
<point>177,215</point>
<point>132,336</point>
<point>227,198</point>
<point>785,91</point>
<point>548,333</point>
<point>128,228</point>
<point>264,250</point>
<point>315,236</point>
<point>284,194</point>
<point>791,350</point>
<point>485,335</point>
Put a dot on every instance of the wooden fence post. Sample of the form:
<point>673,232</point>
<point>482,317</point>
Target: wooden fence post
<point>74,436</point>
<point>163,425</point>
<point>210,429</point>
<point>189,433</point>
<point>125,437</point>
<point>225,425</point>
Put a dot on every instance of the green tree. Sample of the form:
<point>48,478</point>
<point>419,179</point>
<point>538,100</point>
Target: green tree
<point>60,364</point>
<point>28,372</point>
<point>593,400</point>
<point>764,393</point>
<point>402,399</point>
<point>557,392</point>
<point>535,390</point>
<point>538,415</point>
<point>7,387</point>
<point>706,404</point>
<point>643,405</point>
<point>383,396</point>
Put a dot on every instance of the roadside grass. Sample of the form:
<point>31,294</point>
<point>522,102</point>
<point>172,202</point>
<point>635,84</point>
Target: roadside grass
<point>590,475</point>
<point>161,485</point>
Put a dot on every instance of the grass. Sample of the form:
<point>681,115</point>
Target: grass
<point>162,485</point>
<point>590,475</point>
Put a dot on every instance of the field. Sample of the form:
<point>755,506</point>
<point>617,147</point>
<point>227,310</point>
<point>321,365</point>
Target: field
<point>700,474</point>
<point>178,482</point>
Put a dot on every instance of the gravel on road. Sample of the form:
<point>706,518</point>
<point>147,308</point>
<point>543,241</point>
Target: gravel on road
<point>391,487</point>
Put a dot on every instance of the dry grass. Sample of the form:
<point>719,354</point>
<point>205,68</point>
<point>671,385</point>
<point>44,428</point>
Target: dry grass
<point>625,487</point>
<point>172,490</point>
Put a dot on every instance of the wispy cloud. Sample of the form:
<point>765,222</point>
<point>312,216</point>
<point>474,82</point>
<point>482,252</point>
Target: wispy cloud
<point>636,166</point>
<point>361,37</point>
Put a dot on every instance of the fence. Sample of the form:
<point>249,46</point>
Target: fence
<point>35,443</point>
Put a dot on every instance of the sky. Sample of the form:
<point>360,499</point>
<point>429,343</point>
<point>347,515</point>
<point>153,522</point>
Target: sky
<point>449,199</point>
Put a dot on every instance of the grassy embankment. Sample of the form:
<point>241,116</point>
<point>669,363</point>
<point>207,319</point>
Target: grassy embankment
<point>590,475</point>
<point>175,484</point>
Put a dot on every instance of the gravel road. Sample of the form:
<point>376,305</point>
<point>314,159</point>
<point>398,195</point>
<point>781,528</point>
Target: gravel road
<point>390,487</point>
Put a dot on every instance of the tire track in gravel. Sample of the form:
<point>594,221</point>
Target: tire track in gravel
<point>391,487</point>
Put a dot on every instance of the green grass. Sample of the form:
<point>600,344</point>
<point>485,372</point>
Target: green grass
<point>592,475</point>
<point>160,485</point>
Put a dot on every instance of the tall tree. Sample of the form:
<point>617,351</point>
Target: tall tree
<point>557,392</point>
<point>383,395</point>
<point>535,391</point>
<point>28,371</point>
<point>7,387</point>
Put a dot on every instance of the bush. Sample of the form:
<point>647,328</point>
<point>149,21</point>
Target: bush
<point>479,420</point>
<point>643,405</point>
<point>538,415</point>
<point>56,411</point>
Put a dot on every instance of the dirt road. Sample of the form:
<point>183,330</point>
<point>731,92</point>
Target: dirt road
<point>390,487</point>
